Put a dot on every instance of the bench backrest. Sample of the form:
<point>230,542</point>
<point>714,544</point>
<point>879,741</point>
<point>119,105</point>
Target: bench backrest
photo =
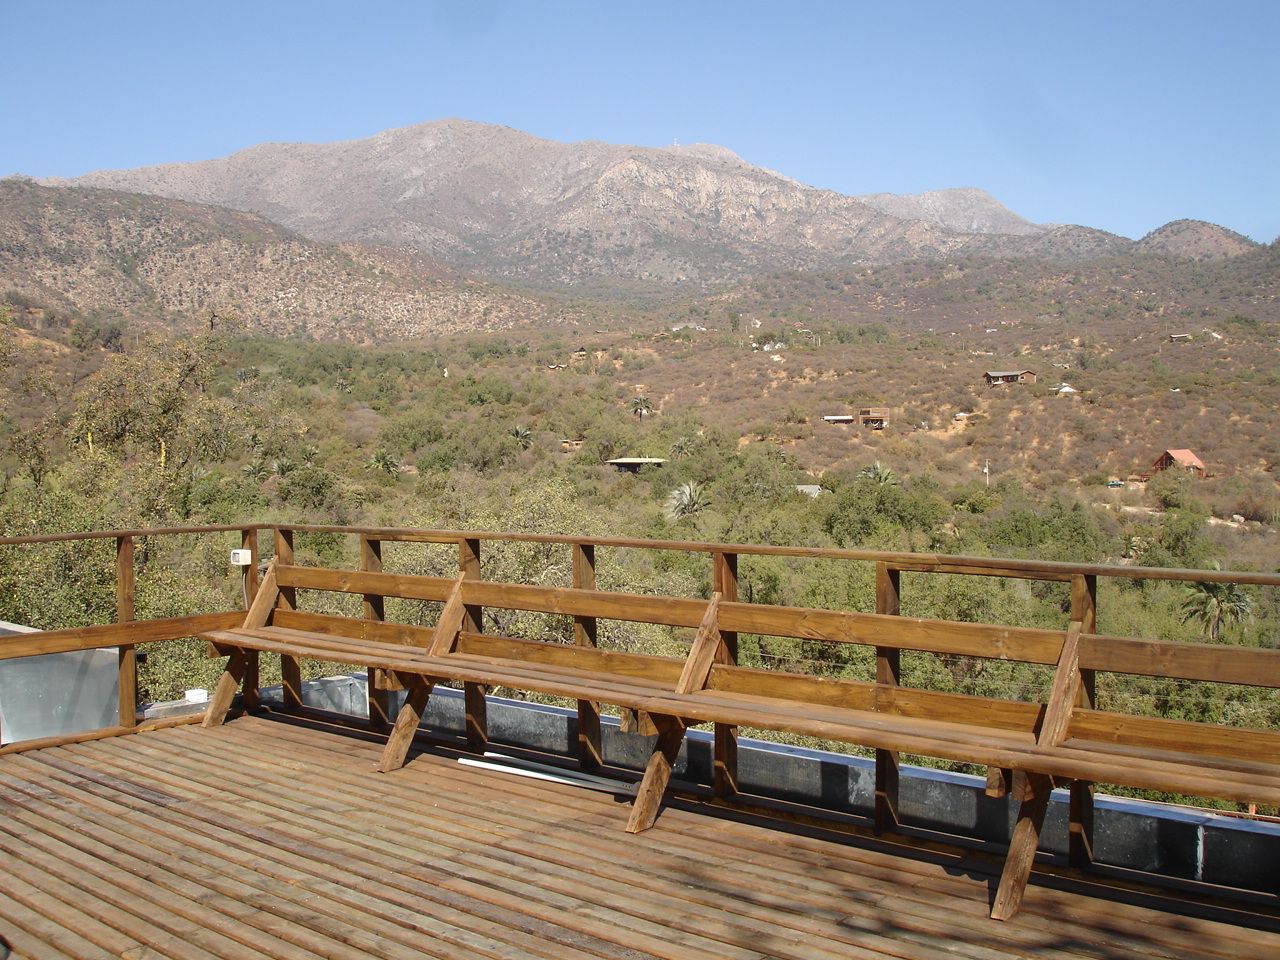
<point>1073,654</point>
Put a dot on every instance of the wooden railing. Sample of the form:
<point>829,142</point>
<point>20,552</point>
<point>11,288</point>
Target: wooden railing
<point>582,601</point>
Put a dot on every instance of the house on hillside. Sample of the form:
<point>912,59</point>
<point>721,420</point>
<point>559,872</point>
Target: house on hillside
<point>633,464</point>
<point>839,418</point>
<point>1065,390</point>
<point>1179,338</point>
<point>997,378</point>
<point>578,356</point>
<point>877,418</point>
<point>1182,460</point>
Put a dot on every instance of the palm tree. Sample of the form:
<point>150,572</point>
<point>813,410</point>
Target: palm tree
<point>381,460</point>
<point>686,501</point>
<point>880,474</point>
<point>1214,605</point>
<point>523,437</point>
<point>683,446</point>
<point>257,470</point>
<point>283,467</point>
<point>640,406</point>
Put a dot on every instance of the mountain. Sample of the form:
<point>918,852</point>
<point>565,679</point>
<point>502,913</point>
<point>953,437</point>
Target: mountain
<point>90,252</point>
<point>1196,240</point>
<point>502,203</point>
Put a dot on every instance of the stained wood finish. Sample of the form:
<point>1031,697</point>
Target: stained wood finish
<point>474,703</point>
<point>889,674</point>
<point>249,693</point>
<point>127,684</point>
<point>1022,848</point>
<point>590,754</point>
<point>407,721</point>
<point>115,634</point>
<point>374,608</point>
<point>211,847</point>
<point>287,599</point>
<point>724,781</point>
<point>657,773</point>
<point>707,649</point>
<point>1067,685</point>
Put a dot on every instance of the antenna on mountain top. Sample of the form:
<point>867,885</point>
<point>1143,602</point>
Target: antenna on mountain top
<point>675,143</point>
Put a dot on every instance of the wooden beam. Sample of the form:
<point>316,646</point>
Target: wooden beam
<point>889,674</point>
<point>1022,848</point>
<point>590,753</point>
<point>249,689</point>
<point>707,650</point>
<point>724,580</point>
<point>657,774</point>
<point>127,659</point>
<point>241,671</point>
<point>1062,696</point>
<point>374,608</point>
<point>232,677</point>
<point>407,721</point>
<point>114,634</point>
<point>1084,609</point>
<point>452,619</point>
<point>473,621</point>
<point>287,599</point>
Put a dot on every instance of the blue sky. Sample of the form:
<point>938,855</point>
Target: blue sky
<point>1119,115</point>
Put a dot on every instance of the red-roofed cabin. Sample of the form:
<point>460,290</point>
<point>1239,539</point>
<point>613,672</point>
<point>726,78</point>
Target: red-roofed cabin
<point>1183,459</point>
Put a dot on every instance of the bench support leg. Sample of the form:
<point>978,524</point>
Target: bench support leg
<point>1080,840</point>
<point>477,717</point>
<point>415,702</point>
<point>1022,848</point>
<point>232,677</point>
<point>590,755</point>
<point>725,774</point>
<point>657,774</point>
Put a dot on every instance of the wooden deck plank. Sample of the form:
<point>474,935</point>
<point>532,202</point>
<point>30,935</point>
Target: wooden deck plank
<point>465,861</point>
<point>804,867</point>
<point>890,875</point>
<point>435,832</point>
<point>822,851</point>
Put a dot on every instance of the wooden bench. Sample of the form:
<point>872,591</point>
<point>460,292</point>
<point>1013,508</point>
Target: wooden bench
<point>1032,745</point>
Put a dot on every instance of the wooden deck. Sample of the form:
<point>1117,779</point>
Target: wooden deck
<point>268,838</point>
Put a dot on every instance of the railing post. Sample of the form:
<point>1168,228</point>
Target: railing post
<point>473,622</point>
<point>128,658</point>
<point>590,757</point>
<point>888,672</point>
<point>1084,609</point>
<point>725,581</point>
<point>290,671</point>
<point>375,609</point>
<point>249,689</point>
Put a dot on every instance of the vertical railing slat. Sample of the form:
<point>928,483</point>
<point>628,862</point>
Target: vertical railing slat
<point>290,670</point>
<point>374,608</point>
<point>725,771</point>
<point>1084,609</point>
<point>889,673</point>
<point>125,613</point>
<point>473,621</point>
<point>249,689</point>
<point>590,755</point>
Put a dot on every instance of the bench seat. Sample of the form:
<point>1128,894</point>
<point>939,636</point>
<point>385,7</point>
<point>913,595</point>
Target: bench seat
<point>535,665</point>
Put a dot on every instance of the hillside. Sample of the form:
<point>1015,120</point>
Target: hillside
<point>105,254</point>
<point>505,204</point>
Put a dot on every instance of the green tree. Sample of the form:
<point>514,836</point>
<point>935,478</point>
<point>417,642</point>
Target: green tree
<point>522,436</point>
<point>641,406</point>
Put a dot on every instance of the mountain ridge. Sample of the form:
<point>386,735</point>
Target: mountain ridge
<point>504,204</point>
